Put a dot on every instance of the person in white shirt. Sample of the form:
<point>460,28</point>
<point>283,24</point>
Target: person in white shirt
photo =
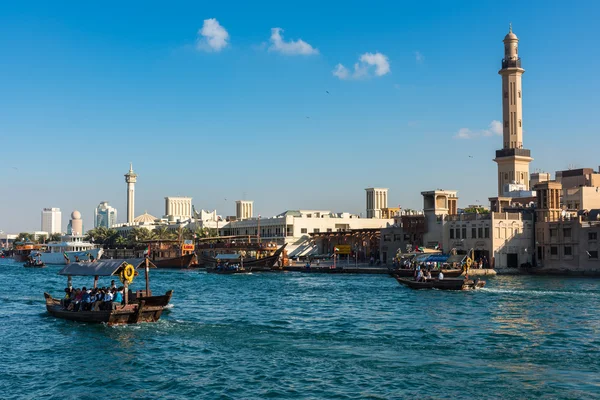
<point>441,276</point>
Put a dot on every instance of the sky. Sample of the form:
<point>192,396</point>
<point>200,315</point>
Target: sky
<point>293,106</point>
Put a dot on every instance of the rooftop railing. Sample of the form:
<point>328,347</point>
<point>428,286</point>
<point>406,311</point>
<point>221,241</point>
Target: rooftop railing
<point>511,63</point>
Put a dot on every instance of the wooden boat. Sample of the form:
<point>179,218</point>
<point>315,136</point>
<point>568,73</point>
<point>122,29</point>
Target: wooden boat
<point>181,262</point>
<point>444,284</point>
<point>140,307</point>
<point>406,273</point>
<point>322,270</point>
<point>256,264</point>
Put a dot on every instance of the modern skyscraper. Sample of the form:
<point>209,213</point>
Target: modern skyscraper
<point>513,160</point>
<point>105,215</point>
<point>376,200</point>
<point>51,220</point>
<point>131,179</point>
<point>244,209</point>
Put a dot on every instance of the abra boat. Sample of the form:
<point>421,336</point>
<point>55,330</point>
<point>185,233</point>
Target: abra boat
<point>444,284</point>
<point>210,254</point>
<point>34,264</point>
<point>228,271</point>
<point>140,306</point>
<point>405,273</point>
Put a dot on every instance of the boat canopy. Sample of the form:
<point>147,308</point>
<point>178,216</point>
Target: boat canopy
<point>102,268</point>
<point>438,258</point>
<point>421,258</point>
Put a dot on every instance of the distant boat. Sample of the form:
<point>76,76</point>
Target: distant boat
<point>181,262</point>
<point>444,284</point>
<point>72,247</point>
<point>235,251</point>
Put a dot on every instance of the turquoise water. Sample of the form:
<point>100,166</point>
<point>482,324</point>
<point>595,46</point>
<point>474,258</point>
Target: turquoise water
<point>308,336</point>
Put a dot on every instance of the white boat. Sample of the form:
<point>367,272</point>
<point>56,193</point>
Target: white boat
<point>73,247</point>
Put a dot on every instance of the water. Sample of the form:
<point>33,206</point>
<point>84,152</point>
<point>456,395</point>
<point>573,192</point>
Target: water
<point>308,336</point>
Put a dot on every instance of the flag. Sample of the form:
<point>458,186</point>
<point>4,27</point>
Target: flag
<point>65,256</point>
<point>147,251</point>
<point>335,249</point>
<point>437,246</point>
<point>419,249</point>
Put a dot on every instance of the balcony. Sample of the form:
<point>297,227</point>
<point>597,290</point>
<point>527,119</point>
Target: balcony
<point>511,63</point>
<point>513,152</point>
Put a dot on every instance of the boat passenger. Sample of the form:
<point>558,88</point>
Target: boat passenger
<point>441,275</point>
<point>67,299</point>
<point>75,303</point>
<point>98,300</point>
<point>118,298</point>
<point>87,300</point>
<point>428,277</point>
<point>112,285</point>
<point>419,276</point>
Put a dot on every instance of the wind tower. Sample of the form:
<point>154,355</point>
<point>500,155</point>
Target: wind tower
<point>131,179</point>
<point>513,160</point>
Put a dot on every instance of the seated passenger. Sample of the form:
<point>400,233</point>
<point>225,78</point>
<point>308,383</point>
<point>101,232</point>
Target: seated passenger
<point>118,298</point>
<point>441,275</point>
<point>428,276</point>
<point>67,299</point>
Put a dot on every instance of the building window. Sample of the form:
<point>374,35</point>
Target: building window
<point>316,230</point>
<point>568,251</point>
<point>464,233</point>
<point>303,230</point>
<point>592,235</point>
<point>593,254</point>
<point>387,238</point>
<point>458,233</point>
<point>553,250</point>
<point>308,215</point>
<point>480,232</point>
<point>474,232</point>
<point>567,232</point>
<point>487,233</point>
<point>397,238</point>
<point>328,229</point>
<point>451,233</point>
<point>552,233</point>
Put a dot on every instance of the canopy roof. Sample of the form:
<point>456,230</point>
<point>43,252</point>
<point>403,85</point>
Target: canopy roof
<point>102,268</point>
<point>457,258</point>
<point>438,258</point>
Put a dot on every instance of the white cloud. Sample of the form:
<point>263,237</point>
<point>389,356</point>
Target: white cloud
<point>364,66</point>
<point>292,47</point>
<point>212,36</point>
<point>419,57</point>
<point>494,129</point>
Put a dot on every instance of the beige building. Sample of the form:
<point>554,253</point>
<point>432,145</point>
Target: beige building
<point>244,209</point>
<point>437,204</point>
<point>377,199</point>
<point>513,160</point>
<point>574,178</point>
<point>178,208</point>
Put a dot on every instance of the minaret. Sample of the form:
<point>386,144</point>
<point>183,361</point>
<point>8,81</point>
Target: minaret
<point>513,160</point>
<point>131,179</point>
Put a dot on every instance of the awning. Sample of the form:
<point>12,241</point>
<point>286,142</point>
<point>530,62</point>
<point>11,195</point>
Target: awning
<point>458,258</point>
<point>102,268</point>
<point>438,258</point>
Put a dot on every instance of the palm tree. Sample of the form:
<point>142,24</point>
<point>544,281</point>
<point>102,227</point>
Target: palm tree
<point>120,241</point>
<point>55,237</point>
<point>163,233</point>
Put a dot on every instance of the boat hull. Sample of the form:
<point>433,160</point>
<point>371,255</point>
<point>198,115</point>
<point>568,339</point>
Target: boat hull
<point>406,273</point>
<point>228,272</point>
<point>182,262</point>
<point>59,258</point>
<point>444,284</point>
<point>145,309</point>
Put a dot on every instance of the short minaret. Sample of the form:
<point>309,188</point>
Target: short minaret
<point>513,160</point>
<point>131,179</point>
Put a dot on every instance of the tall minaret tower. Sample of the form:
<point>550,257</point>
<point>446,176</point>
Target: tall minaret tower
<point>131,179</point>
<point>513,160</point>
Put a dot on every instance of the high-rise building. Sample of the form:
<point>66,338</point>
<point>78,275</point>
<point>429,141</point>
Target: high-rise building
<point>51,220</point>
<point>131,179</point>
<point>244,209</point>
<point>513,160</point>
<point>75,226</point>
<point>376,200</point>
<point>105,215</point>
<point>178,208</point>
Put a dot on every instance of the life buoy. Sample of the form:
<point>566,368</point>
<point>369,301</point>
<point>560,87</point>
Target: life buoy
<point>128,273</point>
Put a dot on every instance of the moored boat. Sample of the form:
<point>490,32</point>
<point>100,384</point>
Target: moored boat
<point>181,262</point>
<point>241,251</point>
<point>139,306</point>
<point>444,284</point>
<point>405,273</point>
<point>34,264</point>
<point>72,248</point>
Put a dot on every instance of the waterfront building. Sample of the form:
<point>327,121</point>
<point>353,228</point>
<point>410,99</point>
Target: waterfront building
<point>295,227</point>
<point>51,220</point>
<point>105,215</point>
<point>405,235</point>
<point>244,209</point>
<point>130,179</point>
<point>178,208</point>
<point>538,177</point>
<point>377,199</point>
<point>75,227</point>
<point>7,239</point>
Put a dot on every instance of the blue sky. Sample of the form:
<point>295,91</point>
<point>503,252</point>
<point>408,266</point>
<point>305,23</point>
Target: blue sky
<point>86,88</point>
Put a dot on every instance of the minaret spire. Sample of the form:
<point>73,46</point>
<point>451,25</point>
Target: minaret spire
<point>510,27</point>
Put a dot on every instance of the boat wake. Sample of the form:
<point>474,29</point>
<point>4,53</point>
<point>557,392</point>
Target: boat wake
<point>541,292</point>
